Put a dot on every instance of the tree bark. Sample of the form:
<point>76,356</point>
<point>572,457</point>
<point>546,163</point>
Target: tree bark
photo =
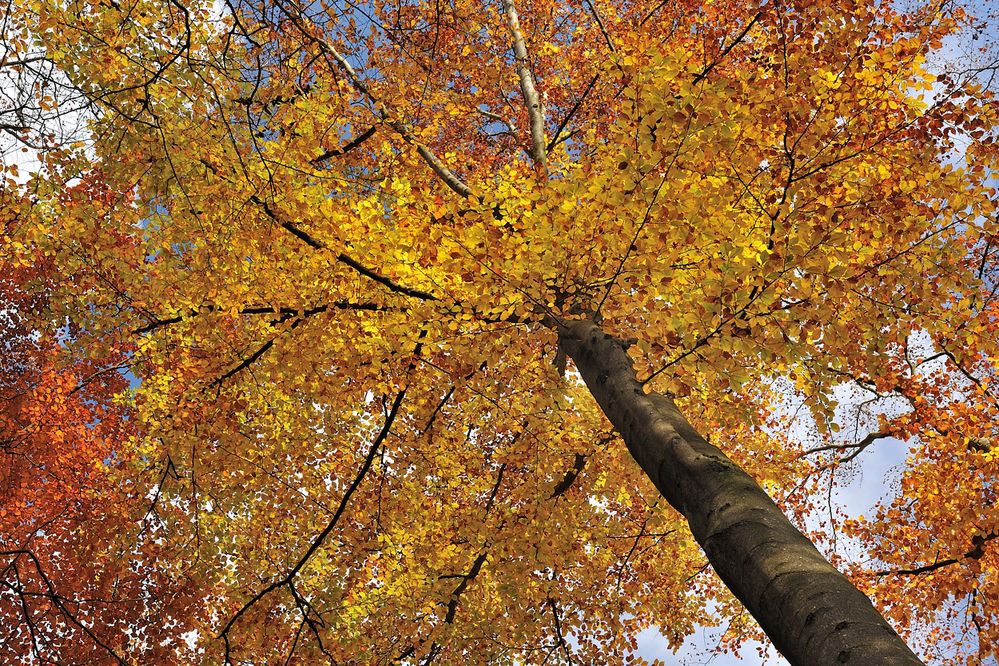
<point>810,611</point>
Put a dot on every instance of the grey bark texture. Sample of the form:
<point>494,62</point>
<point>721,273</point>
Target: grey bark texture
<point>810,611</point>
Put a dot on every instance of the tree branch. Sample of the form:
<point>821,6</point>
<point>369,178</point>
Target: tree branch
<point>978,550</point>
<point>570,476</point>
<point>535,112</point>
<point>857,447</point>
<point>559,635</point>
<point>600,24</point>
<point>255,310</point>
<point>721,56</point>
<point>452,605</point>
<point>446,175</point>
<point>343,258</point>
<point>575,107</point>
<point>58,600</point>
<point>321,538</point>
<point>346,148</point>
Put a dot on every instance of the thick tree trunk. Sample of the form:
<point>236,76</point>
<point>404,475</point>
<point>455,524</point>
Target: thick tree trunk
<point>810,611</point>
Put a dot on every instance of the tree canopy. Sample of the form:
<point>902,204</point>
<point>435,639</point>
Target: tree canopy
<point>301,311</point>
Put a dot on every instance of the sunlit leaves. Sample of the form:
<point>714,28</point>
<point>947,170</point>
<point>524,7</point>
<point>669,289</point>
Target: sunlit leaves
<point>761,200</point>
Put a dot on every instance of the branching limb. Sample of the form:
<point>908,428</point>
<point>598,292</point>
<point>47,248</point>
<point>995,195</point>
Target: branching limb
<point>559,635</point>
<point>495,490</point>
<point>721,56</point>
<point>600,25</point>
<point>57,600</point>
<point>565,121</point>
<point>282,313</point>
<point>535,112</point>
<point>977,551</point>
<point>570,476</point>
<point>299,317</point>
<point>287,579</point>
<point>381,109</point>
<point>346,148</point>
<point>343,258</point>
<point>511,128</point>
<point>856,448</point>
<point>452,605</point>
<point>634,546</point>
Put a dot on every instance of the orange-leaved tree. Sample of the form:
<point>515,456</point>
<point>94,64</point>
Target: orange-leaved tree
<point>78,550</point>
<point>352,248</point>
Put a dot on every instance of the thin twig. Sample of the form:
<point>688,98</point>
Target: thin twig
<point>857,447</point>
<point>575,107</point>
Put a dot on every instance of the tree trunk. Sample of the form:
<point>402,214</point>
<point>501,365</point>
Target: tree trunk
<point>810,611</point>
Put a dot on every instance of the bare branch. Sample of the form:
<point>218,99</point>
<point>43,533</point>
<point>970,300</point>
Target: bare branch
<point>856,448</point>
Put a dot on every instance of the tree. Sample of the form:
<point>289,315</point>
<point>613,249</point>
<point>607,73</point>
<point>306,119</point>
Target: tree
<point>348,250</point>
<point>73,554</point>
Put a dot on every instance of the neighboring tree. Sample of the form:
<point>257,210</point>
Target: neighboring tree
<point>348,250</point>
<point>78,555</point>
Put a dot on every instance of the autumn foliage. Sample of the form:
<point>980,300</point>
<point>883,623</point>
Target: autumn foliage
<point>337,250</point>
<point>79,575</point>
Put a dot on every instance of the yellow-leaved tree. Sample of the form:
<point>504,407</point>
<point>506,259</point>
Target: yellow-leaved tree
<point>470,332</point>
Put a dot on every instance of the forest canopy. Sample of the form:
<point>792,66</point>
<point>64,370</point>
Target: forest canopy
<point>461,332</point>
